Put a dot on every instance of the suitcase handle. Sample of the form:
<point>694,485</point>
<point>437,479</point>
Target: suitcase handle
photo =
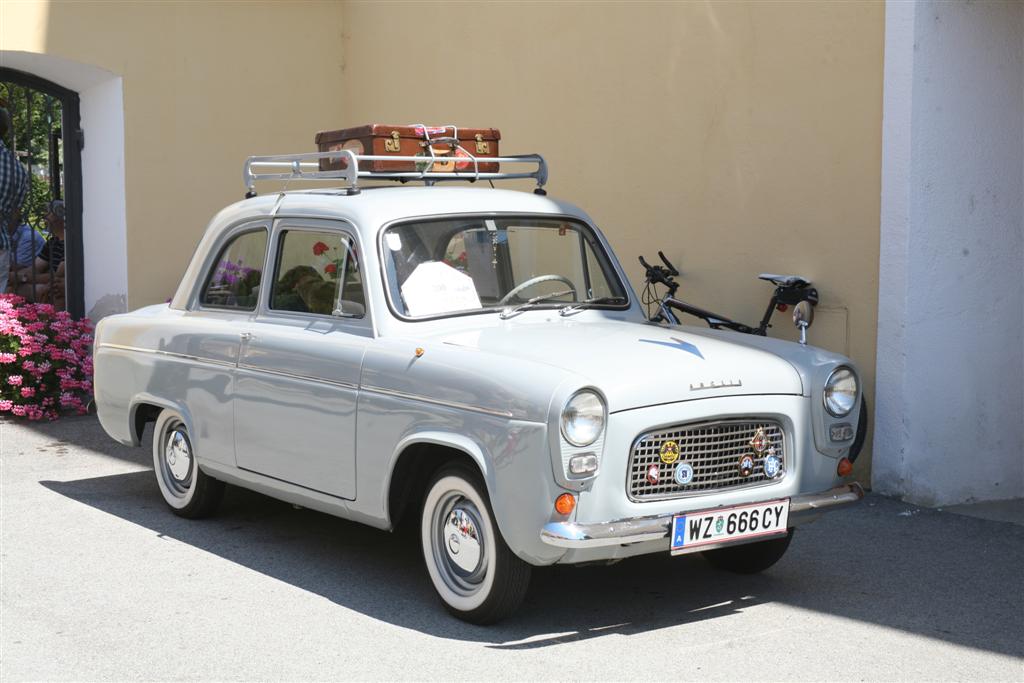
<point>454,142</point>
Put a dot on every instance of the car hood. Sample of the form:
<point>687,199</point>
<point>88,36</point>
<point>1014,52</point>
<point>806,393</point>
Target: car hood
<point>637,364</point>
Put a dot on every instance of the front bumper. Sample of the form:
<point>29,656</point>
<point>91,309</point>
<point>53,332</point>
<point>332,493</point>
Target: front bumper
<point>640,529</point>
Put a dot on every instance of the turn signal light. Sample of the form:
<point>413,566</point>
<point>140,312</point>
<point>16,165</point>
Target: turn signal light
<point>845,467</point>
<point>565,504</point>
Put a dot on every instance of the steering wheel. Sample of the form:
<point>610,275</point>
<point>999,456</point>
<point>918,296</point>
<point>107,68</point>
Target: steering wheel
<point>536,281</point>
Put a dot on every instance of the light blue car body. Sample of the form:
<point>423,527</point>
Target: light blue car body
<point>325,412</point>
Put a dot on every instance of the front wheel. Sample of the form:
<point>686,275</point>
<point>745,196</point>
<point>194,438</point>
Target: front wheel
<point>862,431</point>
<point>750,558</point>
<point>186,489</point>
<point>478,578</point>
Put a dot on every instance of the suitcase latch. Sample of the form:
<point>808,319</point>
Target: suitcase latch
<point>394,143</point>
<point>481,146</point>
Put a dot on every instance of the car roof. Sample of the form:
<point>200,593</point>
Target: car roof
<point>376,206</point>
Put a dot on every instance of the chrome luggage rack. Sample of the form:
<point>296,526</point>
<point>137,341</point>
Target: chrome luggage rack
<point>307,167</point>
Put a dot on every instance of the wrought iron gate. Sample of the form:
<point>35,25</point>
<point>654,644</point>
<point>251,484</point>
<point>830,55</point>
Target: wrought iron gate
<point>46,137</point>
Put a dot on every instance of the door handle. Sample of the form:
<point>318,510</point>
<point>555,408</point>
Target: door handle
<point>247,336</point>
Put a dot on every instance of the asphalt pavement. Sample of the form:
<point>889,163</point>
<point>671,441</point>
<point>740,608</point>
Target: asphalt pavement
<point>98,581</point>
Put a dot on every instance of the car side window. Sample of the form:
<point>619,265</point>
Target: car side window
<point>234,280</point>
<point>317,272</point>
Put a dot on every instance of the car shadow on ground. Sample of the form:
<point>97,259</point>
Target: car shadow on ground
<point>940,575</point>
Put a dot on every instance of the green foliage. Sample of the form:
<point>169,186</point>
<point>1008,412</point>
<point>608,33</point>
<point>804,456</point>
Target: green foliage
<point>34,116</point>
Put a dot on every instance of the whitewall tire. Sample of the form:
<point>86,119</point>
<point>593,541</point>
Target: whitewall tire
<point>478,578</point>
<point>186,489</point>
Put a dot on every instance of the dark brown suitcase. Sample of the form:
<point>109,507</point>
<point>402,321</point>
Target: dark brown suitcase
<point>408,141</point>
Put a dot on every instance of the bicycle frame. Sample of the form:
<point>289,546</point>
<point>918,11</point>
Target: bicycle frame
<point>781,297</point>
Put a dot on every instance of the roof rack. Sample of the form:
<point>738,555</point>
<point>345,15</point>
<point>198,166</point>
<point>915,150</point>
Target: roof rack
<point>307,167</point>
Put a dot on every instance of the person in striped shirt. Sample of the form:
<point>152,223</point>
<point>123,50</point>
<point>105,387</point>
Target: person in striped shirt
<point>13,188</point>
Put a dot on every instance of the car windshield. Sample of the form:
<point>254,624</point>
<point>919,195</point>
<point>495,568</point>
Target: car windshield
<point>485,263</point>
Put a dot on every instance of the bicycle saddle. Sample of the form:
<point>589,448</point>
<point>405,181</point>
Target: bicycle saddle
<point>785,280</point>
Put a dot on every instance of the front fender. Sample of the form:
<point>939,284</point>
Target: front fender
<point>516,470</point>
<point>458,442</point>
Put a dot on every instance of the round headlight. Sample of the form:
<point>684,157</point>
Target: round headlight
<point>583,418</point>
<point>840,392</point>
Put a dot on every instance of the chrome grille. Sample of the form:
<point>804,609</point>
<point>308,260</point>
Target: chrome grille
<point>713,449</point>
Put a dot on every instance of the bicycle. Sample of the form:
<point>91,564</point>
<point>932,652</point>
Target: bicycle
<point>790,290</point>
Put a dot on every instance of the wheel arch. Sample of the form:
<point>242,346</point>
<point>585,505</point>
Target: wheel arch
<point>415,460</point>
<point>145,408</point>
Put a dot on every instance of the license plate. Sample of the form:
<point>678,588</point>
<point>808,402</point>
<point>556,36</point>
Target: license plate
<point>696,530</point>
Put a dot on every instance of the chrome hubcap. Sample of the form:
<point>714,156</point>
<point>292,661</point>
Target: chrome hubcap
<point>178,462</point>
<point>179,459</point>
<point>460,547</point>
<point>463,541</point>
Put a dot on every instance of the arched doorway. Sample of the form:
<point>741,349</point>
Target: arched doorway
<point>46,135</point>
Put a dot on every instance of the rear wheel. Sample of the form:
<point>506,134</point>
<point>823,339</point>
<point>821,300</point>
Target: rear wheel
<point>478,578</point>
<point>186,489</point>
<point>749,558</point>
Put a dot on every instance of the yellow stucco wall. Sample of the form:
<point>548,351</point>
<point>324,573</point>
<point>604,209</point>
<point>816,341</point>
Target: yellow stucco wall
<point>754,130</point>
<point>205,86</point>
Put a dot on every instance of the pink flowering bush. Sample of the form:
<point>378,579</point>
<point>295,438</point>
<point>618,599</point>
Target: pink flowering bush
<point>45,360</point>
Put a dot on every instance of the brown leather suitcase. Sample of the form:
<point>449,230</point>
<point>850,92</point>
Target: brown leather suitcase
<point>408,141</point>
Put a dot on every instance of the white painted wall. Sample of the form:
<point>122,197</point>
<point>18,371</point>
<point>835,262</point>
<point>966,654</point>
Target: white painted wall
<point>104,226</point>
<point>104,222</point>
<point>950,375</point>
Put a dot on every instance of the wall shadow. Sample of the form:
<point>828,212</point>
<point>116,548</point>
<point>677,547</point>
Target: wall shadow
<point>940,575</point>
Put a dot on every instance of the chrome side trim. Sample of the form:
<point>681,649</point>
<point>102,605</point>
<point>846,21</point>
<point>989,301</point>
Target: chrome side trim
<point>344,385</point>
<point>438,402</point>
<point>304,378</point>
<point>170,354</point>
<point>640,529</point>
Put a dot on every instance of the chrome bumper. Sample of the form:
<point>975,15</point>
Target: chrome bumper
<point>653,528</point>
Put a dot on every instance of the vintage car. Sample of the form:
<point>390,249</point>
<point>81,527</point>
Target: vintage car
<point>472,360</point>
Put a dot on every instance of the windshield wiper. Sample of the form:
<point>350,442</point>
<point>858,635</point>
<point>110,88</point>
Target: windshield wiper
<point>597,300</point>
<point>512,310</point>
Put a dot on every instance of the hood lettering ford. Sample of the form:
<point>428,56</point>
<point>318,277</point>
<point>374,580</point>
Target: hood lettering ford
<point>723,384</point>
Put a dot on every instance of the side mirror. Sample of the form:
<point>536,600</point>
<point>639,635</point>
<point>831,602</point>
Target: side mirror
<point>803,316</point>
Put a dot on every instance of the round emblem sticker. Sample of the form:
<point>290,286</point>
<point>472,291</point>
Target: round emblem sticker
<point>746,465</point>
<point>772,466</point>
<point>669,452</point>
<point>653,474</point>
<point>684,473</point>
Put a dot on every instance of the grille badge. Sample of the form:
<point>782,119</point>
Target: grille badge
<point>684,473</point>
<point>653,475</point>
<point>669,452</point>
<point>746,465</point>
<point>760,442</point>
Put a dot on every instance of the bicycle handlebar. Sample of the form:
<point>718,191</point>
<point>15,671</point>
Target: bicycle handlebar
<point>659,274</point>
<point>672,269</point>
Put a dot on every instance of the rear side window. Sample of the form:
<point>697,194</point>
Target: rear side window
<point>234,280</point>
<point>317,272</point>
